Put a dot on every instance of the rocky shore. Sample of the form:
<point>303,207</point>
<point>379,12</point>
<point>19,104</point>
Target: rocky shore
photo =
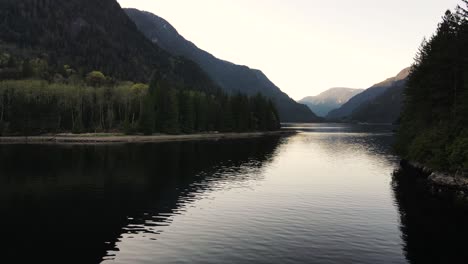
<point>440,181</point>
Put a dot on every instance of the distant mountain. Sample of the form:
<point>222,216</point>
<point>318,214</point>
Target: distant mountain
<point>90,35</point>
<point>345,111</point>
<point>385,108</point>
<point>329,100</point>
<point>230,77</point>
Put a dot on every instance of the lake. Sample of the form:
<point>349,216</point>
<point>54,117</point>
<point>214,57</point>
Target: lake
<point>328,194</point>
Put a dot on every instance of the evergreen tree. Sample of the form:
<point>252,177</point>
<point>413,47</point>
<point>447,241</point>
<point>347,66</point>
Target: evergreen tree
<point>171,121</point>
<point>434,127</point>
<point>147,118</point>
<point>73,101</point>
<point>186,111</point>
<point>27,68</point>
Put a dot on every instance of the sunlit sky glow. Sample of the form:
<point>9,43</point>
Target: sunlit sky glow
<point>307,46</point>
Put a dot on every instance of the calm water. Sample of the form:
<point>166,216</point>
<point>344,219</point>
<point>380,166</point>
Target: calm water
<point>325,195</point>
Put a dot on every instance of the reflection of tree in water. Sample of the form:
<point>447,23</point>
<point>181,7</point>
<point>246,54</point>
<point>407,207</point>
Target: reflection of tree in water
<point>434,229</point>
<point>70,204</point>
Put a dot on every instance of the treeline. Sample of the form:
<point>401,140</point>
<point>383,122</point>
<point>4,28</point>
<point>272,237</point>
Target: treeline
<point>434,126</point>
<point>170,110</point>
<point>35,99</point>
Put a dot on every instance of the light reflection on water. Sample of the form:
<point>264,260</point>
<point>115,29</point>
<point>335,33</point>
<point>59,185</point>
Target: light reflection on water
<point>324,195</point>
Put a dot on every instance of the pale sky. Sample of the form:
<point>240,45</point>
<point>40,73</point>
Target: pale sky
<point>307,46</point>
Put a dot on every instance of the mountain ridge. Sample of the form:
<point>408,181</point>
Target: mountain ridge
<point>366,96</point>
<point>231,77</point>
<point>330,99</point>
<point>385,108</point>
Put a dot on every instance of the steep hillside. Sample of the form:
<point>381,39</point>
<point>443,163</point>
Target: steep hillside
<point>90,35</point>
<point>232,78</point>
<point>373,92</point>
<point>329,100</point>
<point>386,108</point>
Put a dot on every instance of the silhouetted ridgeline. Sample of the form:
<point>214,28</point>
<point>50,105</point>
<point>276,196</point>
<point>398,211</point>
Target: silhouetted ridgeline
<point>49,54</point>
<point>385,108</point>
<point>434,126</point>
<point>381,103</point>
<point>230,77</point>
<point>330,100</point>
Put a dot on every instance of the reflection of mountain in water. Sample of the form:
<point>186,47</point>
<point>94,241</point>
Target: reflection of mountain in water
<point>434,229</point>
<point>62,201</point>
<point>372,141</point>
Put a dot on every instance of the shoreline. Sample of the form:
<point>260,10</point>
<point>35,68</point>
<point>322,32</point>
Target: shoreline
<point>121,138</point>
<point>439,181</point>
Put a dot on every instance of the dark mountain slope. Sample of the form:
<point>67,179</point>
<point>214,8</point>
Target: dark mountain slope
<point>90,35</point>
<point>386,108</point>
<point>232,78</point>
<point>329,100</point>
<point>366,96</point>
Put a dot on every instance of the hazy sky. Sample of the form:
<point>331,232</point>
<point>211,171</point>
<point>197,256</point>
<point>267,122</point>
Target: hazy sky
<point>307,46</point>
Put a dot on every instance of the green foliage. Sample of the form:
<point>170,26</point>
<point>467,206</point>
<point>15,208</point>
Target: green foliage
<point>56,99</point>
<point>186,111</point>
<point>435,119</point>
<point>30,107</point>
<point>35,106</point>
<point>85,35</point>
<point>53,44</point>
<point>95,78</point>
<point>429,147</point>
<point>167,107</point>
<point>147,119</point>
<point>458,152</point>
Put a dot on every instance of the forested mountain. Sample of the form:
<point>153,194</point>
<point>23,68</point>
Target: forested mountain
<point>345,111</point>
<point>76,66</point>
<point>434,126</point>
<point>232,78</point>
<point>90,35</point>
<point>385,108</point>
<point>329,100</point>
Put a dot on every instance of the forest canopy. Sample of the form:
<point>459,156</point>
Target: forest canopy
<point>434,127</point>
<point>36,98</point>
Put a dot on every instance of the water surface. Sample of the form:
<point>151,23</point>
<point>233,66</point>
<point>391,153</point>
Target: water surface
<point>325,195</point>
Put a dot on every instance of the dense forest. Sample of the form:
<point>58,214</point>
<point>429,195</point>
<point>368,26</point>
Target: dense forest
<point>434,125</point>
<point>34,99</point>
<point>83,66</point>
<point>90,35</point>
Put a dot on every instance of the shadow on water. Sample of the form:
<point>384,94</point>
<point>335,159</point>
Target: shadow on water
<point>71,204</point>
<point>434,228</point>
